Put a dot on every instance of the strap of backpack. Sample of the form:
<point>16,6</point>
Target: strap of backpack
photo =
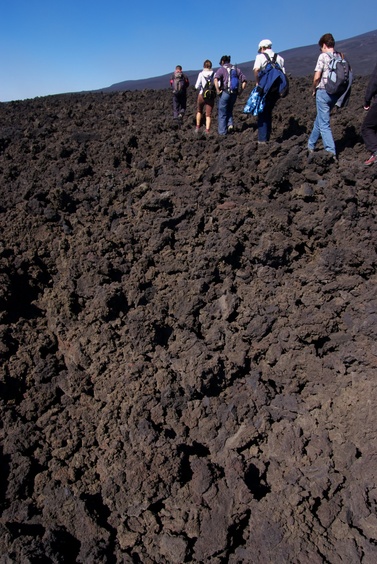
<point>228,77</point>
<point>274,58</point>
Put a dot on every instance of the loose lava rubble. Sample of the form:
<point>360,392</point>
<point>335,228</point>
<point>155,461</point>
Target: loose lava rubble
<point>189,333</point>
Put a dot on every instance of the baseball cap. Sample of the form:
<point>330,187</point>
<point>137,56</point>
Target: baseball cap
<point>264,43</point>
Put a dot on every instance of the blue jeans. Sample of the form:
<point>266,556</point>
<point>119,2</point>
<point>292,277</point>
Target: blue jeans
<point>265,118</point>
<point>321,127</point>
<point>225,111</point>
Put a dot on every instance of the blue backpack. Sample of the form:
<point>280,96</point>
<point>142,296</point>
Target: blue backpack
<point>272,77</point>
<point>233,80</point>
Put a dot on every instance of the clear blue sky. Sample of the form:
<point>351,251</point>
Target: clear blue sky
<point>56,46</point>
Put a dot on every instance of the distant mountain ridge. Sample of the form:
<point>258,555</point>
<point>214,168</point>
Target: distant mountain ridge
<point>361,51</point>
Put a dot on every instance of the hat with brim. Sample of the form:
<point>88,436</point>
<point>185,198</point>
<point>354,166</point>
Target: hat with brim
<point>265,43</point>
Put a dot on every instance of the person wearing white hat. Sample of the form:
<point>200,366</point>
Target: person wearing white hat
<point>261,60</point>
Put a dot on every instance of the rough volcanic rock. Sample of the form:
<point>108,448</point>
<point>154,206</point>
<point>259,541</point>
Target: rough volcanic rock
<point>188,333</point>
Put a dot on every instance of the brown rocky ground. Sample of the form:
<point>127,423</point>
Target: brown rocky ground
<point>188,336</point>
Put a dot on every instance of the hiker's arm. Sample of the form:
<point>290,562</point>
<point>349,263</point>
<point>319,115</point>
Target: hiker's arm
<point>316,80</point>
<point>256,73</point>
<point>216,83</point>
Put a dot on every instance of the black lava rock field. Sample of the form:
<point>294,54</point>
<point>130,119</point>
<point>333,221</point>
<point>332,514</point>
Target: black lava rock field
<point>188,335</point>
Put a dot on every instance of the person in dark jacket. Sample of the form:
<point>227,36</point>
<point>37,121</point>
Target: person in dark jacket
<point>179,83</point>
<point>369,127</point>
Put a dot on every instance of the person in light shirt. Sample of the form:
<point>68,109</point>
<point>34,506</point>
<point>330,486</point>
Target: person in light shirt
<point>206,74</point>
<point>324,102</point>
<point>265,118</point>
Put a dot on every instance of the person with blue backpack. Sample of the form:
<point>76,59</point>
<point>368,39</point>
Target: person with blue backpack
<point>229,79</point>
<point>268,60</point>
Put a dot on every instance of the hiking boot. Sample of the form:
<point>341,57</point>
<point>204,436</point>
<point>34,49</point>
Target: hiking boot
<point>230,128</point>
<point>372,159</point>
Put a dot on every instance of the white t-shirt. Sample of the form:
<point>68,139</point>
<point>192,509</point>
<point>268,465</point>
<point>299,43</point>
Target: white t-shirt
<point>261,61</point>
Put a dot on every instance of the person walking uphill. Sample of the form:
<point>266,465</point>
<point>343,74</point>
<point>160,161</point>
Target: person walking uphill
<point>179,83</point>
<point>324,101</point>
<point>206,96</point>
<point>227,82</point>
<point>369,127</point>
<point>266,54</point>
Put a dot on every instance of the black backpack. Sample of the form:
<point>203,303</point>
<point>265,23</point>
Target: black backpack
<point>209,90</point>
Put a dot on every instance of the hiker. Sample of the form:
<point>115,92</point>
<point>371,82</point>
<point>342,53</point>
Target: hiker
<point>206,96</point>
<point>324,101</point>
<point>179,83</point>
<point>228,79</point>
<point>369,126</point>
<point>265,54</point>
